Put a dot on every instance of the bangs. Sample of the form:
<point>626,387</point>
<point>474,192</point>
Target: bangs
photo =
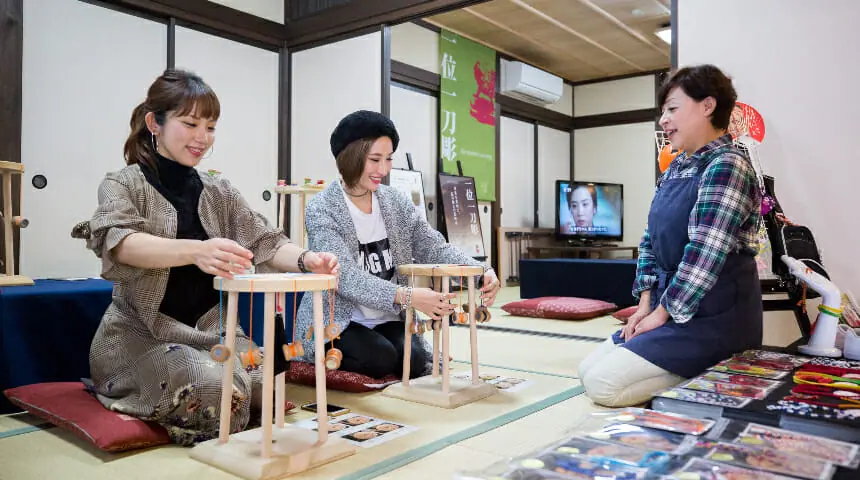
<point>199,101</point>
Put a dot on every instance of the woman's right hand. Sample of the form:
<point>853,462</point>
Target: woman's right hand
<point>643,311</point>
<point>432,303</point>
<point>222,257</point>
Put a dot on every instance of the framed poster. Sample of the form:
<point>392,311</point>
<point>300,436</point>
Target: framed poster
<point>411,183</point>
<point>462,219</point>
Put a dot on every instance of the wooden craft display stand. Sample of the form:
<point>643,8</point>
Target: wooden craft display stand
<point>8,279</point>
<point>302,191</point>
<point>273,450</point>
<point>435,389</point>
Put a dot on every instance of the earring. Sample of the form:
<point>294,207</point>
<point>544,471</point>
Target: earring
<point>153,141</point>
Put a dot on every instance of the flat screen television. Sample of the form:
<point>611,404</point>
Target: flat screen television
<point>589,212</point>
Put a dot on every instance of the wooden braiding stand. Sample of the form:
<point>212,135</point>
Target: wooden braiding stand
<point>7,279</point>
<point>302,191</point>
<point>272,451</point>
<point>435,389</point>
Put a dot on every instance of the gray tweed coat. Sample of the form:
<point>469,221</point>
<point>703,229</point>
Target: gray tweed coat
<point>144,363</point>
<point>330,229</point>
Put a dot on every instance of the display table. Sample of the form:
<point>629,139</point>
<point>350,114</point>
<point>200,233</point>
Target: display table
<point>840,424</point>
<point>46,329</point>
<point>598,279</point>
<point>579,251</point>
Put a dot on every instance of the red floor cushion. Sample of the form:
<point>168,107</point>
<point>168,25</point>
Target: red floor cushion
<point>561,308</point>
<point>625,313</point>
<point>303,373</point>
<point>69,406</point>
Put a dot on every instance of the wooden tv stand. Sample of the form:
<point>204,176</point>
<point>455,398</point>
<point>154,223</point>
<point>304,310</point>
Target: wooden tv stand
<point>578,251</point>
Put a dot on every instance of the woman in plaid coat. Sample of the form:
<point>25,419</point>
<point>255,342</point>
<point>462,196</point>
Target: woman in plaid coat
<point>163,232</point>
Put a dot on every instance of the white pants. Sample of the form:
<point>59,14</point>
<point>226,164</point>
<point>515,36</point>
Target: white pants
<point>614,376</point>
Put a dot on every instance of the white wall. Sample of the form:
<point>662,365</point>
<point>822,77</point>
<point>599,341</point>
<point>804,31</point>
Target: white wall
<point>802,77</point>
<point>245,78</point>
<point>415,45</point>
<point>269,9</point>
<point>329,82</point>
<point>517,172</point>
<point>415,116</point>
<point>553,164</point>
<point>623,154</point>
<point>620,154</point>
<point>79,92</point>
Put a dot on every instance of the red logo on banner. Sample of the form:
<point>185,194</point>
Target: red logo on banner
<point>483,101</point>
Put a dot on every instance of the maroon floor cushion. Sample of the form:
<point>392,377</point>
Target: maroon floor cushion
<point>303,373</point>
<point>70,406</point>
<point>625,313</point>
<point>560,308</point>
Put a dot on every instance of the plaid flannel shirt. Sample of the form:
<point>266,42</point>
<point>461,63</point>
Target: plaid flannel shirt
<point>725,219</point>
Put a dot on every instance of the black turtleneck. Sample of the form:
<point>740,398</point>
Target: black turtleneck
<point>190,292</point>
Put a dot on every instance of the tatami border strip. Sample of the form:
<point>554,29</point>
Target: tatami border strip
<point>505,367</point>
<point>23,430</point>
<point>536,333</point>
<point>406,458</point>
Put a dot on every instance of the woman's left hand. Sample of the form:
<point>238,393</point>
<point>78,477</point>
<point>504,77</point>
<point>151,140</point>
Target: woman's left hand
<point>492,285</point>
<point>655,319</point>
<point>322,263</point>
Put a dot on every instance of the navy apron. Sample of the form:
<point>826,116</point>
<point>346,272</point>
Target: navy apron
<point>729,318</point>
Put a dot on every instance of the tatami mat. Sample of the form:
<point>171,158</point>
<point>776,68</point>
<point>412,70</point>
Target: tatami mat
<point>436,429</point>
<point>467,438</point>
<point>558,356</point>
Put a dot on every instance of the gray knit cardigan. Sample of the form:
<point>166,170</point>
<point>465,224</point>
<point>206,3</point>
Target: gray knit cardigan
<point>330,229</point>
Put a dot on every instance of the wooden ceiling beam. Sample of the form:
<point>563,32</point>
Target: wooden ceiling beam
<point>567,29</point>
<point>531,40</point>
<point>490,45</point>
<point>623,26</point>
<point>664,5</point>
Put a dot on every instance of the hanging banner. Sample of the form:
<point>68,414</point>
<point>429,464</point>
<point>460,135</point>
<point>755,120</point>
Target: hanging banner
<point>467,111</point>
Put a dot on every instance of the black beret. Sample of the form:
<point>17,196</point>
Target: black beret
<point>359,125</point>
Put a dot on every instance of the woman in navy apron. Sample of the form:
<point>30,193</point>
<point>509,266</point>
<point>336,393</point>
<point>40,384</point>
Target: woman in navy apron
<point>696,280</point>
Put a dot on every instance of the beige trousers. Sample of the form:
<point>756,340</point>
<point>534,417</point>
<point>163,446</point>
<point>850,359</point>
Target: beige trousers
<point>614,376</point>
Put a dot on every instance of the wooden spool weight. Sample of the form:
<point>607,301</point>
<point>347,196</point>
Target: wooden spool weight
<point>293,350</point>
<point>482,313</point>
<point>219,353</point>
<point>246,358</point>
<point>333,358</point>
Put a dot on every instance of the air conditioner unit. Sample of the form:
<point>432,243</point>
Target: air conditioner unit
<point>530,84</point>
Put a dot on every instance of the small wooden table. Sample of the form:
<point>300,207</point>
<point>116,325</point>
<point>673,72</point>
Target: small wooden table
<point>577,251</point>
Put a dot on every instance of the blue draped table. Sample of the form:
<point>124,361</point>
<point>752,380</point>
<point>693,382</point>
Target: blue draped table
<point>46,329</point>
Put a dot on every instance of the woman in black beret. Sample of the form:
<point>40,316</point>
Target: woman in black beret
<point>373,228</point>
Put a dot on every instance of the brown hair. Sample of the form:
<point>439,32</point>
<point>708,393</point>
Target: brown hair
<point>175,93</point>
<point>700,82</point>
<point>351,160</point>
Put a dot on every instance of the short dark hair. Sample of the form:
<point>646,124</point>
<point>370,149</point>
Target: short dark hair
<point>591,191</point>
<point>700,82</point>
<point>350,161</point>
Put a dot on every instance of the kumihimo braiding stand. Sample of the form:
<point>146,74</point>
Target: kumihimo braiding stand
<point>435,389</point>
<point>274,450</point>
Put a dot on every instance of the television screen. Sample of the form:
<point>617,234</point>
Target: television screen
<point>589,210</point>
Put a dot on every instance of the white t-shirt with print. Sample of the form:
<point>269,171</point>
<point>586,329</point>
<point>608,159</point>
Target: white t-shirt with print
<point>374,256</point>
